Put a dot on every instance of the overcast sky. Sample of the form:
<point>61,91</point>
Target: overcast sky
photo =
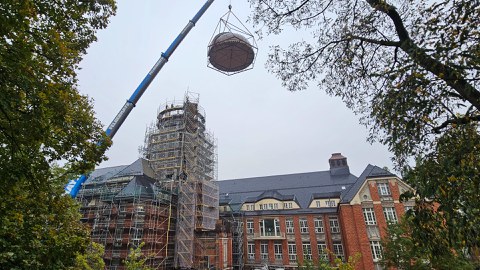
<point>262,129</point>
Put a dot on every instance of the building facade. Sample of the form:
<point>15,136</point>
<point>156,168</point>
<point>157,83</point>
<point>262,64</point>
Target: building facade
<point>288,220</point>
<point>169,203</point>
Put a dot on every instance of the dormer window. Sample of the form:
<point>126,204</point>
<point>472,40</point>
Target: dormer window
<point>287,205</point>
<point>330,203</point>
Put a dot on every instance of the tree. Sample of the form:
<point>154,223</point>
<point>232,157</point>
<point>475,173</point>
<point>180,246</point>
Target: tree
<point>44,120</point>
<point>324,264</point>
<point>447,182</point>
<point>400,250</point>
<point>92,259</point>
<point>411,70</point>
<point>136,259</point>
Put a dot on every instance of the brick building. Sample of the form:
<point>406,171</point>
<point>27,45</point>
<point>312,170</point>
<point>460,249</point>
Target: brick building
<point>275,221</point>
<point>287,219</point>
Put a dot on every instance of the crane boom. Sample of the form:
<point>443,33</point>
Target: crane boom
<point>74,185</point>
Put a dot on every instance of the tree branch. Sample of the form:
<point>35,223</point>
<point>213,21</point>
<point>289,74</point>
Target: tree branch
<point>457,121</point>
<point>449,75</point>
<point>375,41</point>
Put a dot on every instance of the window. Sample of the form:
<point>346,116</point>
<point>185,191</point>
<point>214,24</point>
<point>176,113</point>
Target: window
<point>383,189</point>
<point>322,251</point>
<point>225,251</point>
<point>261,207</point>
<point>338,251</point>
<point>292,252</point>
<point>318,204</point>
<point>270,227</point>
<point>287,205</point>
<point>303,225</point>
<point>137,234</point>
<point>118,233</point>
<point>289,225</point>
<point>376,250</point>
<point>275,206</point>
<point>251,251</point>
<point>369,216</point>
<point>278,250</point>
<point>334,227</point>
<point>307,251</point>
<point>318,225</point>
<point>270,206</point>
<point>408,208</point>
<point>390,214</point>
<point>250,207</point>
<point>330,203</point>
<point>249,226</point>
<point>264,250</point>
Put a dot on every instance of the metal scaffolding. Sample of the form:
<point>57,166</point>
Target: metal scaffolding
<point>179,148</point>
<point>125,207</point>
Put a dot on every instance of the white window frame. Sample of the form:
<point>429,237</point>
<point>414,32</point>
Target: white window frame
<point>384,189</point>
<point>303,225</point>
<point>137,234</point>
<point>408,207</point>
<point>276,228</point>
<point>292,252</point>
<point>338,251</point>
<point>376,249</point>
<point>289,226</point>
<point>277,247</point>
<point>390,214</point>
<point>264,251</point>
<point>225,251</point>
<point>369,216</point>
<point>318,225</point>
<point>250,226</point>
<point>307,251</point>
<point>251,251</point>
<point>318,203</point>
<point>322,250</point>
<point>330,203</point>
<point>334,225</point>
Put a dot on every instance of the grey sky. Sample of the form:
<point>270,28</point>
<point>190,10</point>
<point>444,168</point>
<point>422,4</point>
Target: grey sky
<point>262,129</point>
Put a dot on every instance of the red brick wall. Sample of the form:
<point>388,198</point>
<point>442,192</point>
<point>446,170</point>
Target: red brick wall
<point>355,236</point>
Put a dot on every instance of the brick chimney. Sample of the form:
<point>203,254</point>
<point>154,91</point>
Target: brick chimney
<point>338,164</point>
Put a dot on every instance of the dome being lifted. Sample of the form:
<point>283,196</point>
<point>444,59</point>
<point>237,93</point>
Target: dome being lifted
<point>230,52</point>
<point>232,48</point>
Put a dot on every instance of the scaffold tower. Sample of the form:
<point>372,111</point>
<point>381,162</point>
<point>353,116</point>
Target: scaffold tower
<point>179,148</point>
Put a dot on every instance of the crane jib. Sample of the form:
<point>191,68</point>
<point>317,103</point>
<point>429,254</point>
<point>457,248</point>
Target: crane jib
<point>73,186</point>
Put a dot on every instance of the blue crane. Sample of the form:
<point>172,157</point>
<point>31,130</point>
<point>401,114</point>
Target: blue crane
<point>74,186</point>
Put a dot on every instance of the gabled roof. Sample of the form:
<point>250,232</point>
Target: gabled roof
<point>139,167</point>
<point>273,194</point>
<point>371,171</point>
<point>140,187</point>
<point>326,195</point>
<point>299,185</point>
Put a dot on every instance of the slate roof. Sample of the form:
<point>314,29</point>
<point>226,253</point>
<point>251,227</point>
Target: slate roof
<point>300,185</point>
<point>140,186</point>
<point>371,171</point>
<point>271,194</point>
<point>139,167</point>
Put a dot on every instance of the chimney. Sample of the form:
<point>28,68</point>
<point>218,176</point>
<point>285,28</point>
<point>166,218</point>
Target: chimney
<point>338,164</point>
